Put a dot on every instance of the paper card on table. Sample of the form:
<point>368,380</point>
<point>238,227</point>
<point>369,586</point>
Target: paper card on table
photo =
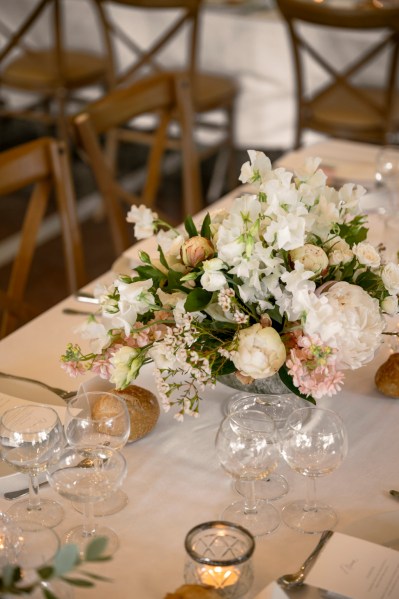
<point>9,401</point>
<point>357,569</point>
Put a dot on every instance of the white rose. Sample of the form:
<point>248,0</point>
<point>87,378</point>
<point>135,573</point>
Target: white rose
<point>143,218</point>
<point>162,357</point>
<point>260,353</point>
<point>339,252</point>
<point>390,305</point>
<point>367,254</point>
<point>354,326</point>
<point>125,366</point>
<point>311,256</point>
<point>213,279</point>
<point>390,277</point>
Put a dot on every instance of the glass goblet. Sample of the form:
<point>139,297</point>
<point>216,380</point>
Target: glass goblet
<point>278,407</point>
<point>31,438</point>
<point>104,471</point>
<point>387,175</point>
<point>247,448</point>
<point>314,443</point>
<point>97,418</point>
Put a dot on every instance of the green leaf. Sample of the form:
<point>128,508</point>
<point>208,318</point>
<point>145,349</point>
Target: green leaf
<point>46,572</point>
<point>79,582</point>
<point>149,272</point>
<point>190,227</point>
<point>227,368</point>
<point>66,559</point>
<point>191,276</point>
<point>197,300</point>
<point>174,281</point>
<point>287,380</point>
<point>162,258</point>
<point>48,594</point>
<point>96,576</point>
<point>206,227</point>
<point>95,549</point>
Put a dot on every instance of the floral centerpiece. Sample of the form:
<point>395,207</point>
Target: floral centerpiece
<point>284,281</point>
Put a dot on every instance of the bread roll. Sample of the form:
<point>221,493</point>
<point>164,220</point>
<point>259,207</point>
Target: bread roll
<point>387,376</point>
<point>143,408</point>
<point>106,407</point>
<point>193,591</point>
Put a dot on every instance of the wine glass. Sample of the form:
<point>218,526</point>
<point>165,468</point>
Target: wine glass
<point>314,443</point>
<point>278,407</point>
<point>247,448</point>
<point>387,175</point>
<point>31,438</point>
<point>104,471</point>
<point>98,418</point>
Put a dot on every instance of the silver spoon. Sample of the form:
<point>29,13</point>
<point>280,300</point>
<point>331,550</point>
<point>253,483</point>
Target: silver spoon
<point>60,392</point>
<point>289,581</point>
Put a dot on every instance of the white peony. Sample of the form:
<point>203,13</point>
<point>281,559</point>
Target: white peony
<point>352,323</point>
<point>143,219</point>
<point>367,254</point>
<point>390,277</point>
<point>260,353</point>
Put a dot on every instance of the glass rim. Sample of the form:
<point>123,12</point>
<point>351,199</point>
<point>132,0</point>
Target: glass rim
<point>22,408</point>
<point>219,524</point>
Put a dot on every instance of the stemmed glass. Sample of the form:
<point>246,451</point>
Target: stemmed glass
<point>97,418</point>
<point>387,175</point>
<point>31,439</point>
<point>314,443</point>
<point>247,448</point>
<point>278,407</point>
<point>103,472</point>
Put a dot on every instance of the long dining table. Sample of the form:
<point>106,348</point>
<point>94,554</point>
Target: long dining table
<point>174,479</point>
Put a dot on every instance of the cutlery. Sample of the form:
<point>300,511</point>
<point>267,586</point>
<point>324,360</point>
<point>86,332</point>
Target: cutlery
<point>60,392</point>
<point>87,298</point>
<point>296,579</point>
<point>21,492</point>
<point>71,311</point>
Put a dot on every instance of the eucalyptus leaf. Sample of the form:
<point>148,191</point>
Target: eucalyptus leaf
<point>95,549</point>
<point>79,582</point>
<point>66,559</point>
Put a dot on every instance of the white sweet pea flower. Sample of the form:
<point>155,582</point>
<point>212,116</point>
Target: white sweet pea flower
<point>125,366</point>
<point>350,196</point>
<point>257,170</point>
<point>260,352</point>
<point>96,333</point>
<point>143,219</point>
<point>311,174</point>
<point>367,254</point>
<point>170,299</point>
<point>298,279</point>
<point>390,277</point>
<point>287,233</point>
<point>213,279</point>
<point>134,299</point>
<point>389,305</point>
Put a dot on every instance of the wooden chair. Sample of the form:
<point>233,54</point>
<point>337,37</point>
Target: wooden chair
<point>177,23</point>
<point>42,167</point>
<point>165,94</point>
<point>343,107</point>
<point>50,76</point>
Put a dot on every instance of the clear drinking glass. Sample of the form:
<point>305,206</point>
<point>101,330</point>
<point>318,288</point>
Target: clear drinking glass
<point>314,443</point>
<point>31,439</point>
<point>99,418</point>
<point>278,407</point>
<point>219,556</point>
<point>247,448</point>
<point>88,475</point>
<point>387,175</point>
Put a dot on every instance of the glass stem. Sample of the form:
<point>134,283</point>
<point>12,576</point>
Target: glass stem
<point>34,498</point>
<point>89,527</point>
<point>311,500</point>
<point>249,497</point>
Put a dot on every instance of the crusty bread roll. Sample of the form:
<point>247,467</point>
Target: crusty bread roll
<point>193,591</point>
<point>143,408</point>
<point>105,407</point>
<point>387,376</point>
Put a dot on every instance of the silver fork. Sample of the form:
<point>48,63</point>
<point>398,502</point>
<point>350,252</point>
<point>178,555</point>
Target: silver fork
<point>65,395</point>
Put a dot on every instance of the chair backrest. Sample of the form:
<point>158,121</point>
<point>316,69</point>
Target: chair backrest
<point>379,108</point>
<point>138,60</point>
<point>165,94</point>
<point>42,167</point>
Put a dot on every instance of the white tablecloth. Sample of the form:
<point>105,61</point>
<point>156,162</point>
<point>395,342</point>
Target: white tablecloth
<point>175,482</point>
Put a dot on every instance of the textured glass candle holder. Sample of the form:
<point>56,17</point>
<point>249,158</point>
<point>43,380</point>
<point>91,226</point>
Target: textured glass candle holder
<point>219,556</point>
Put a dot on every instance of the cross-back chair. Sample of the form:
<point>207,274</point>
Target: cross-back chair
<point>166,95</point>
<point>39,62</point>
<point>41,167</point>
<point>346,106</point>
<point>173,24</point>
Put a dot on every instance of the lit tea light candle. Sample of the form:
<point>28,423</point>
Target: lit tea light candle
<point>219,577</point>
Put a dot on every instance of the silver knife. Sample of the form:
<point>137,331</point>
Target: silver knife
<point>87,298</point>
<point>21,492</point>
